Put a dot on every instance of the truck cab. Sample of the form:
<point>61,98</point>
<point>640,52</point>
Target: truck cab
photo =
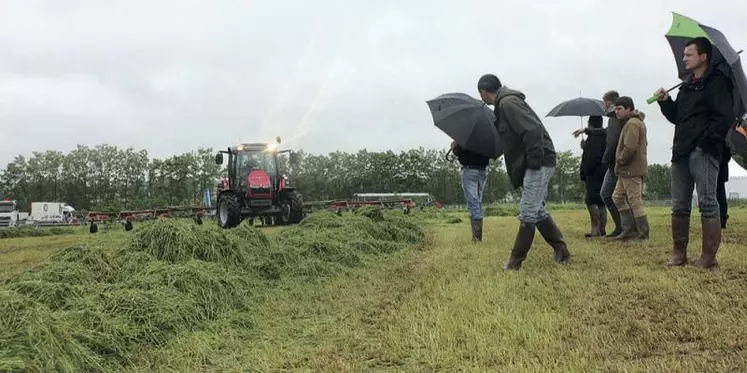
<point>10,214</point>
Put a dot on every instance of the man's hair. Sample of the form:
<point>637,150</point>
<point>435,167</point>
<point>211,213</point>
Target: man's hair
<point>611,96</point>
<point>702,45</point>
<point>625,102</point>
<point>489,83</point>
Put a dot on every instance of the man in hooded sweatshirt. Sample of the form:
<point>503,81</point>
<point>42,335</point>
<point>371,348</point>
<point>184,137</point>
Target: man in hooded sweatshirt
<point>631,166</point>
<point>530,162</point>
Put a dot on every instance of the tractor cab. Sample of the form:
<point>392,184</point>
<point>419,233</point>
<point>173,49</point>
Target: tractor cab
<point>255,186</point>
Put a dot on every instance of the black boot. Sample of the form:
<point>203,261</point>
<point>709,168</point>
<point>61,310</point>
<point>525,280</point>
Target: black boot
<point>602,220</point>
<point>641,224</point>
<point>628,226</point>
<point>594,218</point>
<point>522,244</point>
<point>554,237</point>
<point>615,213</point>
<point>476,229</point>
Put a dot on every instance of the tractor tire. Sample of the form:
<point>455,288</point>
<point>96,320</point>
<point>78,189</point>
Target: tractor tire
<point>292,204</point>
<point>228,212</point>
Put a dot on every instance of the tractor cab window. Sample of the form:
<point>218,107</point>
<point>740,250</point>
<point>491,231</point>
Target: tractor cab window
<point>251,160</point>
<point>7,207</point>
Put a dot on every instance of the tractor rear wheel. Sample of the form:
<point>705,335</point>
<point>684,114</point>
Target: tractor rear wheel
<point>292,206</point>
<point>229,213</point>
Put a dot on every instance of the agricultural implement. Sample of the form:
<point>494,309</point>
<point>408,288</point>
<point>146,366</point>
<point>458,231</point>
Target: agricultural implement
<point>256,188</point>
<point>126,218</point>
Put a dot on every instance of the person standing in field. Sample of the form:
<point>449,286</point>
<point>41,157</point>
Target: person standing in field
<point>530,159</point>
<point>702,116</point>
<point>612,135</point>
<point>592,173</point>
<point>474,175</point>
<point>631,166</point>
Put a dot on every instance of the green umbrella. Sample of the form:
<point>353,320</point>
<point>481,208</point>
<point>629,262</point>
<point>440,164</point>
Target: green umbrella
<point>725,58</point>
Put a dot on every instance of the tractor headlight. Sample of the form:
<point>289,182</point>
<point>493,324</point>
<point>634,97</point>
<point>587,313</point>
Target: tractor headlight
<point>272,147</point>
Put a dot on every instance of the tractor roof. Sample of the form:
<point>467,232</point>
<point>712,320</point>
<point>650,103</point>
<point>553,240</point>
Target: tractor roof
<point>250,147</point>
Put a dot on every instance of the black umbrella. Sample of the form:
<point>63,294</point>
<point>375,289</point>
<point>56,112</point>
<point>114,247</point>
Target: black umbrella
<point>468,121</point>
<point>736,140</point>
<point>578,107</point>
<point>724,57</point>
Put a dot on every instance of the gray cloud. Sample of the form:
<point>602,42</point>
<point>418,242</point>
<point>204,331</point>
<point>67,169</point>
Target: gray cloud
<point>169,76</point>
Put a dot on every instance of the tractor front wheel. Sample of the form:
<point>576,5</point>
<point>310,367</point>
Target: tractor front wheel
<point>229,214</point>
<point>292,206</point>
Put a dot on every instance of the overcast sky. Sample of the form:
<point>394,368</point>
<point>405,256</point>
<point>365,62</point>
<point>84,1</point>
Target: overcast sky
<point>325,75</point>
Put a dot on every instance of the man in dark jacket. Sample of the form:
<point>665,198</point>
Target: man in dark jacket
<point>474,174</point>
<point>612,135</point>
<point>701,116</point>
<point>530,162</point>
<point>592,172</point>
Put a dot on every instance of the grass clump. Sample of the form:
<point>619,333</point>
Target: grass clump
<point>175,240</point>
<point>454,220</point>
<point>325,243</point>
<point>249,235</point>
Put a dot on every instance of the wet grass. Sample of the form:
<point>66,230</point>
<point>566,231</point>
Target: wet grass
<point>442,306</point>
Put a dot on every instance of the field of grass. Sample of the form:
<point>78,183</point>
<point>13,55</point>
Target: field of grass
<point>446,305</point>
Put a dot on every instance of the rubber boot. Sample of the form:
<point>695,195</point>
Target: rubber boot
<point>594,217</point>
<point>615,213</point>
<point>552,235</point>
<point>476,229</point>
<point>602,220</point>
<point>522,244</point>
<point>641,224</point>
<point>711,242</point>
<point>628,226</point>
<point>724,218</point>
<point>680,239</point>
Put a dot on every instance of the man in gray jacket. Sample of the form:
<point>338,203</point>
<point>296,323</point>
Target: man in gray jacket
<point>612,133</point>
<point>530,162</point>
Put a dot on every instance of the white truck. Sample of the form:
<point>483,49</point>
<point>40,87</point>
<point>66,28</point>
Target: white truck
<point>10,215</point>
<point>51,212</point>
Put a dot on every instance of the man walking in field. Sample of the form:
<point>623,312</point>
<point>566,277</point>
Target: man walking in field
<point>530,162</point>
<point>631,166</point>
<point>702,116</point>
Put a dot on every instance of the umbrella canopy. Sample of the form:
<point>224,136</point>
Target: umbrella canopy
<point>468,121</point>
<point>724,57</point>
<point>578,107</point>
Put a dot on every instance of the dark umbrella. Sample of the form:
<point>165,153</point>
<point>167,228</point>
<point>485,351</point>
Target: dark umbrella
<point>578,107</point>
<point>468,121</point>
<point>736,140</point>
<point>724,57</point>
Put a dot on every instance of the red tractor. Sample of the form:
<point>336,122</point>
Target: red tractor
<point>255,187</point>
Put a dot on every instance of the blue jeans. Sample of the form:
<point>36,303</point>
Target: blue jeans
<point>533,195</point>
<point>473,185</point>
<point>608,187</point>
<point>699,170</point>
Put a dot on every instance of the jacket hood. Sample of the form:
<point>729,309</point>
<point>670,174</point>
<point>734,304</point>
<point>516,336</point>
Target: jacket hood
<point>505,92</point>
<point>636,114</point>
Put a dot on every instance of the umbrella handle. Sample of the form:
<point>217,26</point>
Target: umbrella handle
<point>656,97</point>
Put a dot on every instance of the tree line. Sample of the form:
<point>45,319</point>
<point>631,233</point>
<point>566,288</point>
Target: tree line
<point>107,177</point>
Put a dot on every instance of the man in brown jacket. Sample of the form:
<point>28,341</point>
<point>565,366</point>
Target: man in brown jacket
<point>631,166</point>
